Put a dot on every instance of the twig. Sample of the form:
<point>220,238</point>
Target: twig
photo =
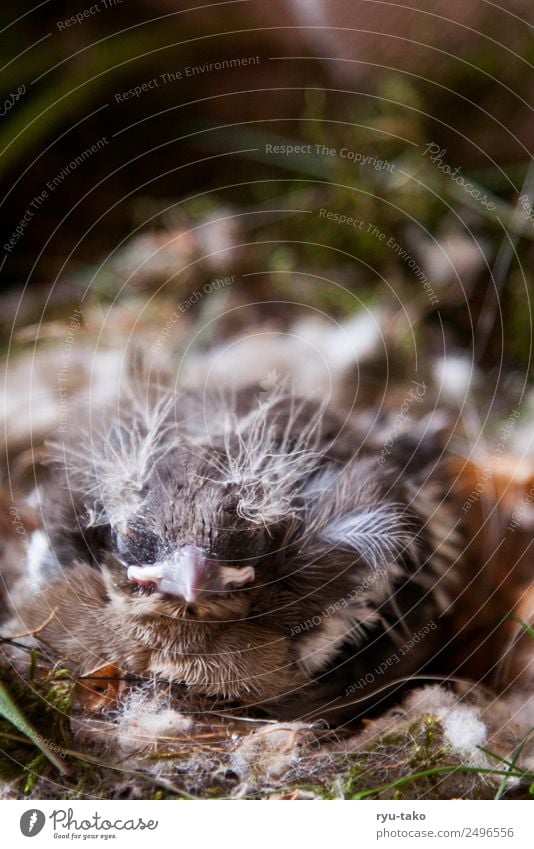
<point>34,631</point>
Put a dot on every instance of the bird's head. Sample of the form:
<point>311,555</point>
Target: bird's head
<point>187,538</point>
<point>194,509</point>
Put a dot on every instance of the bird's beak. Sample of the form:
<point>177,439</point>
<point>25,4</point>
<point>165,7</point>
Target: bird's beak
<point>188,573</point>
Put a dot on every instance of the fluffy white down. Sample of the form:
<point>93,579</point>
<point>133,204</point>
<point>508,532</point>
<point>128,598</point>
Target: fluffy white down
<point>145,721</point>
<point>463,729</point>
<point>271,751</point>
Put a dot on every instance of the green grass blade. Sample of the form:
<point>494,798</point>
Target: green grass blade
<point>10,711</point>
<point>439,770</point>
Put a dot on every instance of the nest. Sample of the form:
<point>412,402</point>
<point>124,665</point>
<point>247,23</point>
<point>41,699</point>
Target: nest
<point>109,735</point>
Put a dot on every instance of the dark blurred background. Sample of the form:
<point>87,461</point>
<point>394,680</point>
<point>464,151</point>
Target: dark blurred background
<point>143,153</point>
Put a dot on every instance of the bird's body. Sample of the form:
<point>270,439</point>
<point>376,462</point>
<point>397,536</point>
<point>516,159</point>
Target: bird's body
<point>256,550</point>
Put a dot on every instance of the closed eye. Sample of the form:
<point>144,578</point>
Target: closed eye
<point>135,545</point>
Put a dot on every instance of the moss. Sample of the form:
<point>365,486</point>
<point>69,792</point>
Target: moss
<point>427,743</point>
<point>44,698</point>
<point>34,768</point>
<point>354,780</point>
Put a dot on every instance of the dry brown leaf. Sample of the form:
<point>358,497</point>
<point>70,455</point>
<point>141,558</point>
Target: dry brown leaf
<point>100,689</point>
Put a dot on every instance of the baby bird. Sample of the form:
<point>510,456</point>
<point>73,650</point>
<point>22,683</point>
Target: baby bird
<point>259,551</point>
